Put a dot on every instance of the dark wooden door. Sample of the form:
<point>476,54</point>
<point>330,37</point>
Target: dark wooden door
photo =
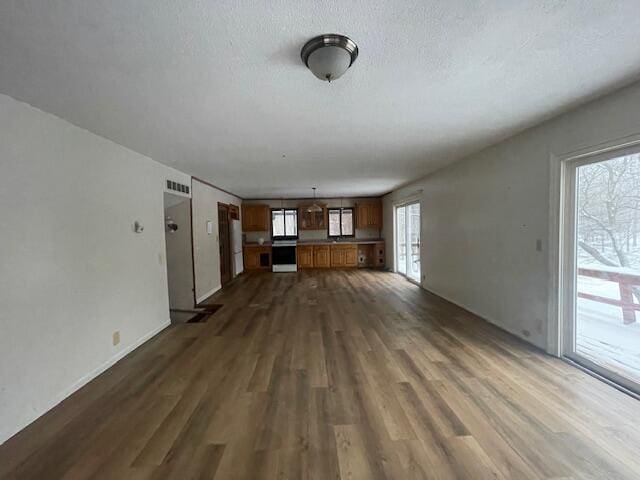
<point>225,243</point>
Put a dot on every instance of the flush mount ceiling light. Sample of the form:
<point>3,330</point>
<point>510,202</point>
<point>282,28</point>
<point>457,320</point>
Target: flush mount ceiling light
<point>328,56</point>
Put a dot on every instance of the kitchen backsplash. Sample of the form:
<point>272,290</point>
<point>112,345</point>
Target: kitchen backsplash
<point>361,234</point>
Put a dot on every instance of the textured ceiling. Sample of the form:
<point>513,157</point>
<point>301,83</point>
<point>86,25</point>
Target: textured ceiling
<point>217,88</point>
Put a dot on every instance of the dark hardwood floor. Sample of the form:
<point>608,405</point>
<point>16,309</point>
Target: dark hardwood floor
<point>334,374</point>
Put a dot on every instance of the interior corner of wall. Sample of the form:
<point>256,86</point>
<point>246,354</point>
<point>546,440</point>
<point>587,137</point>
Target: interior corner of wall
<point>206,295</point>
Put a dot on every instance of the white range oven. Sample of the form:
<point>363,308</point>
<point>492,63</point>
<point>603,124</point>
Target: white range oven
<point>283,256</point>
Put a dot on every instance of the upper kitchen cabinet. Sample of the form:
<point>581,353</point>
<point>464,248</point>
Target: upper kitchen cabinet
<point>369,214</point>
<point>234,212</point>
<point>312,220</point>
<point>255,218</point>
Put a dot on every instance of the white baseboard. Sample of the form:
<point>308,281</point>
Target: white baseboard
<point>485,318</point>
<point>109,363</point>
<point>202,298</point>
<point>88,377</point>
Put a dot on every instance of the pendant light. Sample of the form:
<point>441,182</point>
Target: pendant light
<point>314,208</point>
<point>329,56</point>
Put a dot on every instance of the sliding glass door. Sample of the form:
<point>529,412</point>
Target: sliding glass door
<point>408,240</point>
<point>602,265</point>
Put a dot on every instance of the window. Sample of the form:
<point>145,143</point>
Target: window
<point>284,223</point>
<point>341,222</point>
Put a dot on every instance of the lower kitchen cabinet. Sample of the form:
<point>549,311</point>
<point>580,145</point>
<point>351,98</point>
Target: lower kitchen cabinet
<point>321,258</point>
<point>337,257</point>
<point>313,256</point>
<point>351,256</point>
<point>257,257</point>
<point>371,255</point>
<point>305,256</point>
<point>344,255</point>
<point>378,255</point>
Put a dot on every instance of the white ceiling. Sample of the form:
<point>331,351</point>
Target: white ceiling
<point>217,89</point>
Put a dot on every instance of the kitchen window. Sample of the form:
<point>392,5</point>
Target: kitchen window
<point>341,222</point>
<point>284,223</point>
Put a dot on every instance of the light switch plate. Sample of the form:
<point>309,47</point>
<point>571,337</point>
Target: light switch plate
<point>116,337</point>
<point>209,227</point>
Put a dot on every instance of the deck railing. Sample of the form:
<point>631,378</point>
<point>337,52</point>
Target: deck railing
<point>415,253</point>
<point>625,281</point>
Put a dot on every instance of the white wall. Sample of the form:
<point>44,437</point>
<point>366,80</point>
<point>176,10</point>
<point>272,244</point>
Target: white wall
<point>179,258</point>
<point>482,216</point>
<point>72,271</point>
<point>206,248</point>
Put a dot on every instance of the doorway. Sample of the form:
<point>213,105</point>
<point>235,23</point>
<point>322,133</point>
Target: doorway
<point>179,256</point>
<point>225,243</point>
<point>601,265</point>
<point>407,237</point>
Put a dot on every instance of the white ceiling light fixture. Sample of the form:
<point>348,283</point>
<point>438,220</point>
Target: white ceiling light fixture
<point>329,56</point>
<point>314,208</point>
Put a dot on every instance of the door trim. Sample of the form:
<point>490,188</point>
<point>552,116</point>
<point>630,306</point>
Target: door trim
<point>225,206</point>
<point>193,256</point>
<point>562,294</point>
<point>557,226</point>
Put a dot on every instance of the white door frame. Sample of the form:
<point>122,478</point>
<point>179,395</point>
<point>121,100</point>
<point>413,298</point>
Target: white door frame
<point>562,259</point>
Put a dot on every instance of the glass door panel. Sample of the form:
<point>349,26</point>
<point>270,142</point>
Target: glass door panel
<point>408,240</point>
<point>604,333</point>
<point>401,242</point>
<point>413,234</point>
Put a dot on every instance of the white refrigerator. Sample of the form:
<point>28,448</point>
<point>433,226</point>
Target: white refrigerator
<point>236,247</point>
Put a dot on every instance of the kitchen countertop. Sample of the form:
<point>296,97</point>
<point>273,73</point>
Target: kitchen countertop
<point>340,242</point>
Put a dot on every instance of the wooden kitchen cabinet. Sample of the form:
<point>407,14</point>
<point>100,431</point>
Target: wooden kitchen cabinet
<point>312,220</point>
<point>378,255</point>
<point>351,256</point>
<point>234,212</point>
<point>255,218</point>
<point>321,256</point>
<point>305,256</point>
<point>371,255</point>
<point>344,255</point>
<point>369,215</point>
<point>337,257</point>
<point>257,257</point>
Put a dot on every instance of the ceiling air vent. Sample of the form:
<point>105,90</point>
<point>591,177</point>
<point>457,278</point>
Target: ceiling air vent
<point>178,187</point>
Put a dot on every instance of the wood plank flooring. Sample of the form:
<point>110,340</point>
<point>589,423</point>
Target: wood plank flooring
<point>334,375</point>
